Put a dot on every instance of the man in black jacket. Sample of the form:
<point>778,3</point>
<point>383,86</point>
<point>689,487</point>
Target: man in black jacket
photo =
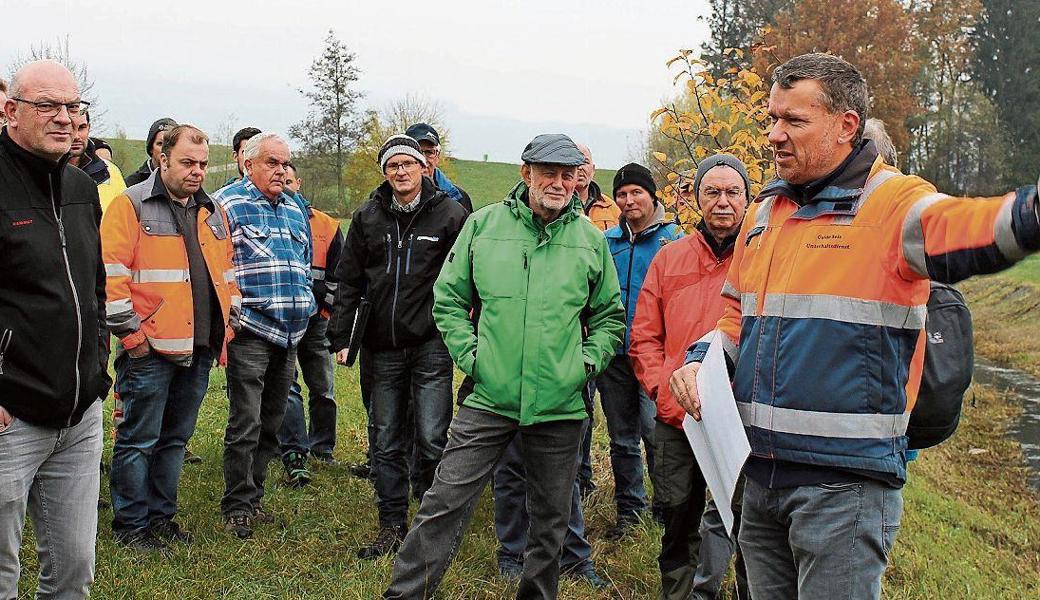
<point>53,339</point>
<point>395,246</point>
<point>153,146</point>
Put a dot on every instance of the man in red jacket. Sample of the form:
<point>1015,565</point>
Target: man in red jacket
<point>681,301</point>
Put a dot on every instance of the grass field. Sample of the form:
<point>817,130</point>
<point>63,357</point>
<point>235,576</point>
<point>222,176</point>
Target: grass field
<point>971,526</point>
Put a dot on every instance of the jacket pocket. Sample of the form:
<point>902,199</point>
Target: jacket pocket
<point>257,238</point>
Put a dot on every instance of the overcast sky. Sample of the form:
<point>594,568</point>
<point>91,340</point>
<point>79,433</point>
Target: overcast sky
<point>503,71</point>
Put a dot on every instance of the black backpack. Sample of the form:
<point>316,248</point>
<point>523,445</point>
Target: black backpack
<point>949,363</point>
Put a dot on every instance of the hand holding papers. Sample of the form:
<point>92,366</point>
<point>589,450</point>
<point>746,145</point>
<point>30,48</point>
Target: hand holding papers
<point>718,439</point>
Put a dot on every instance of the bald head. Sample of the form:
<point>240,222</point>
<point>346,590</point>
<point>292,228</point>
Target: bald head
<point>48,84</point>
<point>585,173</point>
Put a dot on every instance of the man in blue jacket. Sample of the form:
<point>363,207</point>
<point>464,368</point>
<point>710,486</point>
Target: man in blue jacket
<point>628,410</point>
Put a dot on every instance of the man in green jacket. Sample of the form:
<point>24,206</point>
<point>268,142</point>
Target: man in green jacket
<point>534,273</point>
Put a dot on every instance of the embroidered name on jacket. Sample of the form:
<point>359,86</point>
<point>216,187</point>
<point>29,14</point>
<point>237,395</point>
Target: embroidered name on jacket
<point>829,241</point>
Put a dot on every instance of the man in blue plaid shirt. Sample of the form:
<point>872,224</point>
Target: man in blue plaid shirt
<point>272,238</point>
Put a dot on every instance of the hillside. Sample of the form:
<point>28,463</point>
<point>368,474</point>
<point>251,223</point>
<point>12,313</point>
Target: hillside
<point>486,182</point>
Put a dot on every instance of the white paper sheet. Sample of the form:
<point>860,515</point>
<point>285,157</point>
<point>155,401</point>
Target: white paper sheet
<point>718,439</point>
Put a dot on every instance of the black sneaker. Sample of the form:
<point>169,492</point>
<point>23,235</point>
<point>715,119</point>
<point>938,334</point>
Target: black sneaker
<point>296,472</point>
<point>361,470</point>
<point>324,458</point>
<point>510,571</point>
<point>169,530</point>
<point>240,525</point>
<point>190,458</point>
<point>142,541</point>
<point>622,529</point>
<point>387,541</point>
<point>590,578</point>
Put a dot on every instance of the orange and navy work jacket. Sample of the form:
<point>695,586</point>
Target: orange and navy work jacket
<point>327,243</point>
<point>826,307</point>
<point>601,210</point>
<point>678,304</point>
<point>148,287</point>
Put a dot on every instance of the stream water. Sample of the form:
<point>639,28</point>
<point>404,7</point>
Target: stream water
<point>1024,388</point>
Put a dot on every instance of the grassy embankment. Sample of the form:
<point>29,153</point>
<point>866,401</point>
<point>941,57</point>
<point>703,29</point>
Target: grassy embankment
<point>971,527</point>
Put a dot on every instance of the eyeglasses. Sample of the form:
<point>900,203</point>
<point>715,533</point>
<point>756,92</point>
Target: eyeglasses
<point>431,152</point>
<point>47,108</point>
<point>407,165</point>
<point>715,193</point>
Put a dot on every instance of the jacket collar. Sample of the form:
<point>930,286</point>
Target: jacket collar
<point>836,194</point>
<point>429,194</point>
<point>720,249</point>
<point>624,231</point>
<point>38,168</point>
<point>518,203</point>
<point>94,166</point>
<point>595,195</point>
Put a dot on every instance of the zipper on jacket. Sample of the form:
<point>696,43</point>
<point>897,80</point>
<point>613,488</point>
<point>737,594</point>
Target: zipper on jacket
<point>389,258</point>
<point>525,260</point>
<point>408,260</point>
<point>397,288</point>
<point>5,341</point>
<point>75,297</point>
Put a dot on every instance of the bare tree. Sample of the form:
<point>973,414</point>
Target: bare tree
<point>61,51</point>
<point>415,108</point>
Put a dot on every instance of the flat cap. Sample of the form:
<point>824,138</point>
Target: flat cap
<point>553,149</point>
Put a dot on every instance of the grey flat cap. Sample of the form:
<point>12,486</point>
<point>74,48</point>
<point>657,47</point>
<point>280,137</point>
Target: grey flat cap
<point>553,149</point>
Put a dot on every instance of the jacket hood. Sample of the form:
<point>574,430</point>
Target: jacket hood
<point>518,203</point>
<point>845,183</point>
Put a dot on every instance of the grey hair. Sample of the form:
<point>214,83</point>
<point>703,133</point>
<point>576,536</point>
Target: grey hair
<point>15,87</point>
<point>875,130</point>
<point>252,147</point>
<point>844,87</point>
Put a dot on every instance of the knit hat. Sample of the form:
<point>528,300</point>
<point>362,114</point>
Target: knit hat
<point>637,174</point>
<point>163,124</point>
<point>399,144</point>
<point>720,160</point>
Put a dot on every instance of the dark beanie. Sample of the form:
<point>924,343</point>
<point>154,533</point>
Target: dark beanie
<point>163,124</point>
<point>635,173</point>
<point>720,160</point>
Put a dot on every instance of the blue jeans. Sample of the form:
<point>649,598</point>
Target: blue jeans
<point>630,417</point>
<point>512,519</point>
<point>419,376</point>
<point>160,406</point>
<point>478,439</point>
<point>52,473</point>
<point>315,362</point>
<point>818,541</point>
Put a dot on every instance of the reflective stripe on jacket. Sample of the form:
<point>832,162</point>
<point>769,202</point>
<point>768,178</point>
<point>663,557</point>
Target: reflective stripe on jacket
<point>148,287</point>
<point>679,303</point>
<point>828,301</point>
<point>632,256</point>
<point>326,243</point>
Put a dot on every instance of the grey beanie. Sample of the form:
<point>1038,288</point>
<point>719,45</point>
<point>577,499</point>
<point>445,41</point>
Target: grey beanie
<point>720,160</point>
<point>399,144</point>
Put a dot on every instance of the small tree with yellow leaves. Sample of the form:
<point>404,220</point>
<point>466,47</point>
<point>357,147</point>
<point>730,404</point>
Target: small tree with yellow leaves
<point>710,115</point>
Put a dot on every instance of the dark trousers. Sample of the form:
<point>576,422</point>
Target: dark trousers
<point>476,442</point>
<point>315,362</point>
<point>161,403</point>
<point>419,379</point>
<point>258,378</point>
<point>512,519</point>
<point>630,418</point>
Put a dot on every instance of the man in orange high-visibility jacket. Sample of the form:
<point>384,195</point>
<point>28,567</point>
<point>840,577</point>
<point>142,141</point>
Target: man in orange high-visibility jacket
<point>824,319</point>
<point>171,296</point>
<point>313,354</point>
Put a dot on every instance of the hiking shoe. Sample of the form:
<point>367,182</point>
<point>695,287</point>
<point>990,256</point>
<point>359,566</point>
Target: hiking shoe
<point>361,470</point>
<point>142,541</point>
<point>169,530</point>
<point>510,571</point>
<point>296,469</point>
<point>240,525</point>
<point>590,578</point>
<point>324,458</point>
<point>190,458</point>
<point>387,541</point>
<point>261,516</point>
<point>622,529</point>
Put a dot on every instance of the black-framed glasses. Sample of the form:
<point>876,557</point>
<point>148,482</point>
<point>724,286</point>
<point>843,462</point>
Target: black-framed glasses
<point>46,108</point>
<point>431,152</point>
<point>407,165</point>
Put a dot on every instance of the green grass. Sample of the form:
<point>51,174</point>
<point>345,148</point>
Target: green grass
<point>129,154</point>
<point>1027,270</point>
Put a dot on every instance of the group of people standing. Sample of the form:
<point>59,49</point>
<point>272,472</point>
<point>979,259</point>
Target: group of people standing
<point>543,300</point>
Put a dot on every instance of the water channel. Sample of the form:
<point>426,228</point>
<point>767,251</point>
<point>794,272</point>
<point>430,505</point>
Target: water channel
<point>1025,389</point>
